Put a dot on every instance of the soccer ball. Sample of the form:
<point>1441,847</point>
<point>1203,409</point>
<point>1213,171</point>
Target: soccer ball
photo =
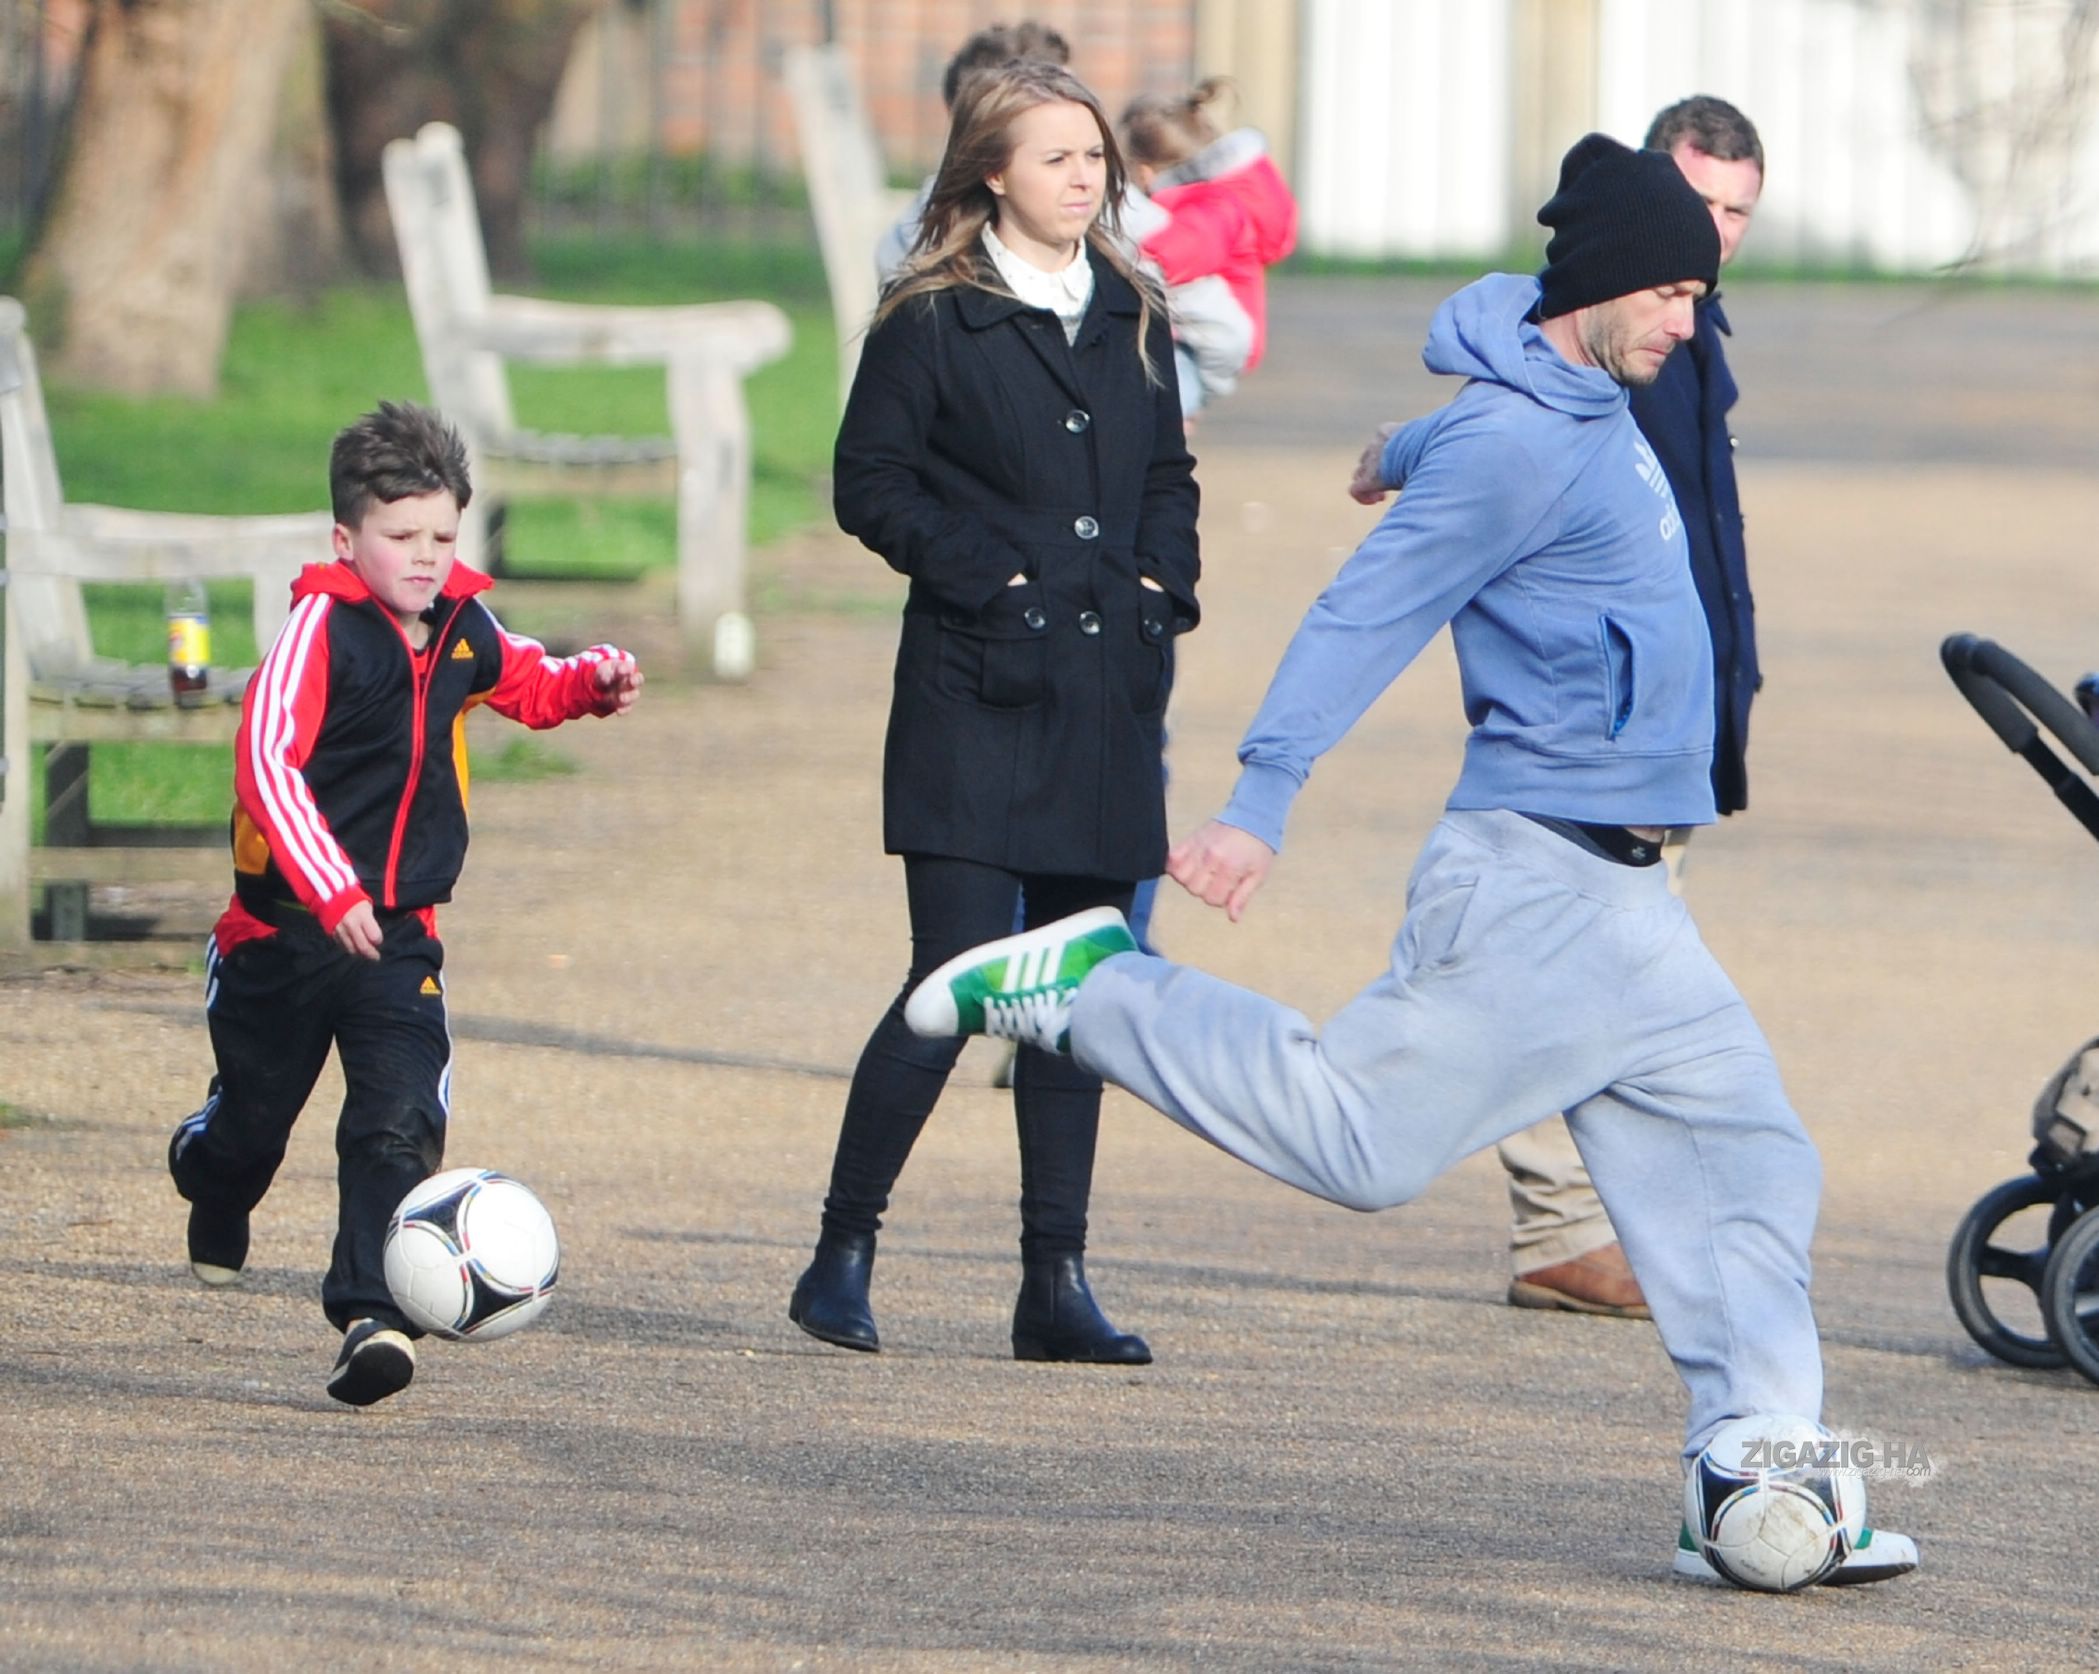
<point>471,1255</point>
<point>1770,1506</point>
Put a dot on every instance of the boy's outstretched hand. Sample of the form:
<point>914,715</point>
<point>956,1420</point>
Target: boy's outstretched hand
<point>620,679</point>
<point>1220,865</point>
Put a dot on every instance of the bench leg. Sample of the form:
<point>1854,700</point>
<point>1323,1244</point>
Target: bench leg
<point>16,759</point>
<point>66,826</point>
<point>65,796</point>
<point>14,861</point>
<point>65,910</point>
<point>712,427</point>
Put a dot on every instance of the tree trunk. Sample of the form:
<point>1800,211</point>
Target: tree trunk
<point>131,282</point>
<point>295,245</point>
<point>489,67</point>
<point>514,77</point>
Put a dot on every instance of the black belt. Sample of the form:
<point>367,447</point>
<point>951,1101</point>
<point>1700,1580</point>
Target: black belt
<point>1608,842</point>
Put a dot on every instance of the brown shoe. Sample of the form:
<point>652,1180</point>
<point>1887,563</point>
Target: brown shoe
<point>1598,1282</point>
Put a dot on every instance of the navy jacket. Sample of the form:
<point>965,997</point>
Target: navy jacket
<point>1683,415</point>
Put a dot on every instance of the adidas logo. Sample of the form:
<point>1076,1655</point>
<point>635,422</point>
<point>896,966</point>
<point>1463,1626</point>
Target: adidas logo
<point>1033,968</point>
<point>430,986</point>
<point>462,652</point>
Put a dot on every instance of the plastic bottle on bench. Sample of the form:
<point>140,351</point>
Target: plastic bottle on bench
<point>189,640</point>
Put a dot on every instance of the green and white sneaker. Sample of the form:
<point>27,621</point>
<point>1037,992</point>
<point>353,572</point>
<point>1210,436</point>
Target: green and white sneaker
<point>1019,987</point>
<point>1878,1555</point>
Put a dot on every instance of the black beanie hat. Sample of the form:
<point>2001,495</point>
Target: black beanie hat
<point>1622,221</point>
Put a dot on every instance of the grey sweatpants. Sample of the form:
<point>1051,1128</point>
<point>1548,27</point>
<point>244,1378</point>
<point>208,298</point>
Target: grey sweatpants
<point>1528,976</point>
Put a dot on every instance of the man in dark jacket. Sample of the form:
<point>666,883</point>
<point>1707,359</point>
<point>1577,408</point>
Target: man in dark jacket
<point>1564,1250</point>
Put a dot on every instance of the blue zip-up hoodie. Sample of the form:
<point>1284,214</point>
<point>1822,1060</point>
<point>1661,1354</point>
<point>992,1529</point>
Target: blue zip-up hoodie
<point>1535,521</point>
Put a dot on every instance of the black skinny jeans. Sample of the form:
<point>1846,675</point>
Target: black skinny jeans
<point>955,904</point>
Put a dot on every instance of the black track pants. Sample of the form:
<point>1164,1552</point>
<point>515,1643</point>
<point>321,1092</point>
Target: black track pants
<point>276,1005</point>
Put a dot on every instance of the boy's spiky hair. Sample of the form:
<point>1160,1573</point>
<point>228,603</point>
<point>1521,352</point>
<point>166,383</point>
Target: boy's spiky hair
<point>397,450</point>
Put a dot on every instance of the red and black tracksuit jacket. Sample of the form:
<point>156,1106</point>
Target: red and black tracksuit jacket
<point>350,775</point>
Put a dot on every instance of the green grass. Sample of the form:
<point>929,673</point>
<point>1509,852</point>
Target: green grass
<point>619,187</point>
<point>295,372</point>
<point>153,784</point>
<point>525,759</point>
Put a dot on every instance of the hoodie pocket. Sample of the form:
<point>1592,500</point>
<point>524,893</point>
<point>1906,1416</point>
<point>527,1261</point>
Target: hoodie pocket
<point>1620,678</point>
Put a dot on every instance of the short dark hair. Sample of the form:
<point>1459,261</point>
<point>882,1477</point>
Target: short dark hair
<point>1001,44</point>
<point>1710,125</point>
<point>395,451</point>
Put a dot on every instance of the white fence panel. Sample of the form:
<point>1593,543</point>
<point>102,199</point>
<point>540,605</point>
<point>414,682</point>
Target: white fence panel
<point>1851,179</point>
<point>1905,135</point>
<point>1405,146</point>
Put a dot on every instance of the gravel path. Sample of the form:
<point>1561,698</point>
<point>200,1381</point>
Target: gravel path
<point>1349,1454</point>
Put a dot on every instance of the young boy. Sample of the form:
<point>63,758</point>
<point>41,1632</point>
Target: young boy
<point>349,828</point>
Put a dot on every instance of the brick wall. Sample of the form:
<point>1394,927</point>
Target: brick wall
<point>715,66</point>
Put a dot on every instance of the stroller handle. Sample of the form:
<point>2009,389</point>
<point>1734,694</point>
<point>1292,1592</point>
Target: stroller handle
<point>2011,698</point>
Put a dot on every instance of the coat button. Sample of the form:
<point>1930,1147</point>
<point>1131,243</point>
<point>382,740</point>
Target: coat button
<point>1034,618</point>
<point>1153,627</point>
<point>1077,420</point>
<point>1086,529</point>
<point>1089,622</point>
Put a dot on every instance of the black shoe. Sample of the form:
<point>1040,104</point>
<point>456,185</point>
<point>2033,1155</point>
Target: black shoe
<point>1057,1318</point>
<point>218,1238</point>
<point>218,1244</point>
<point>830,1299</point>
<point>376,1361</point>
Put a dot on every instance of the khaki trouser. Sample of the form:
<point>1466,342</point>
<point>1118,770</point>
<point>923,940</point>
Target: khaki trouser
<point>1554,1212</point>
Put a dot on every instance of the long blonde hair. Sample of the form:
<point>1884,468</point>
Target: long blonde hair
<point>949,251</point>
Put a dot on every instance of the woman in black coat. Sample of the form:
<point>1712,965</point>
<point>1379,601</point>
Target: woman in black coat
<point>1013,445</point>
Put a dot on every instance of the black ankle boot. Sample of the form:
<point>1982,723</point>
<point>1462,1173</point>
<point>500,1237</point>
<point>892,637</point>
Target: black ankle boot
<point>830,1299</point>
<point>1057,1318</point>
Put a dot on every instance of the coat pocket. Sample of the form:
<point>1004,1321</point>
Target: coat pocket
<point>998,658</point>
<point>1151,660</point>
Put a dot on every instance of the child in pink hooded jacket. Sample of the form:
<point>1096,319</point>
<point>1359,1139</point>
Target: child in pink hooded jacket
<point>1219,215</point>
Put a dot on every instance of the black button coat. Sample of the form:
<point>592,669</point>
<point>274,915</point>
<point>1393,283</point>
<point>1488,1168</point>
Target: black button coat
<point>1025,724</point>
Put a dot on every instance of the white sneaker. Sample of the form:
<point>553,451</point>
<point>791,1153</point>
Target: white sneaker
<point>1879,1555</point>
<point>1019,988</point>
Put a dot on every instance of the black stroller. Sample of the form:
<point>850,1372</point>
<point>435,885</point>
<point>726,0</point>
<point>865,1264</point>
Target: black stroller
<point>2004,1273</point>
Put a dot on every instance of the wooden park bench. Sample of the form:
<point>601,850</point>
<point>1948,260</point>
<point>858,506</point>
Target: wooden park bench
<point>467,332</point>
<point>849,191</point>
<point>59,698</point>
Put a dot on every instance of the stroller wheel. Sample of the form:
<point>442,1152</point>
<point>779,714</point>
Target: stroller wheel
<point>2070,1294</point>
<point>1996,1283</point>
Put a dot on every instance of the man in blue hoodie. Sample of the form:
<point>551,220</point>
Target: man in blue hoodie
<point>1563,1250</point>
<point>1543,963</point>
